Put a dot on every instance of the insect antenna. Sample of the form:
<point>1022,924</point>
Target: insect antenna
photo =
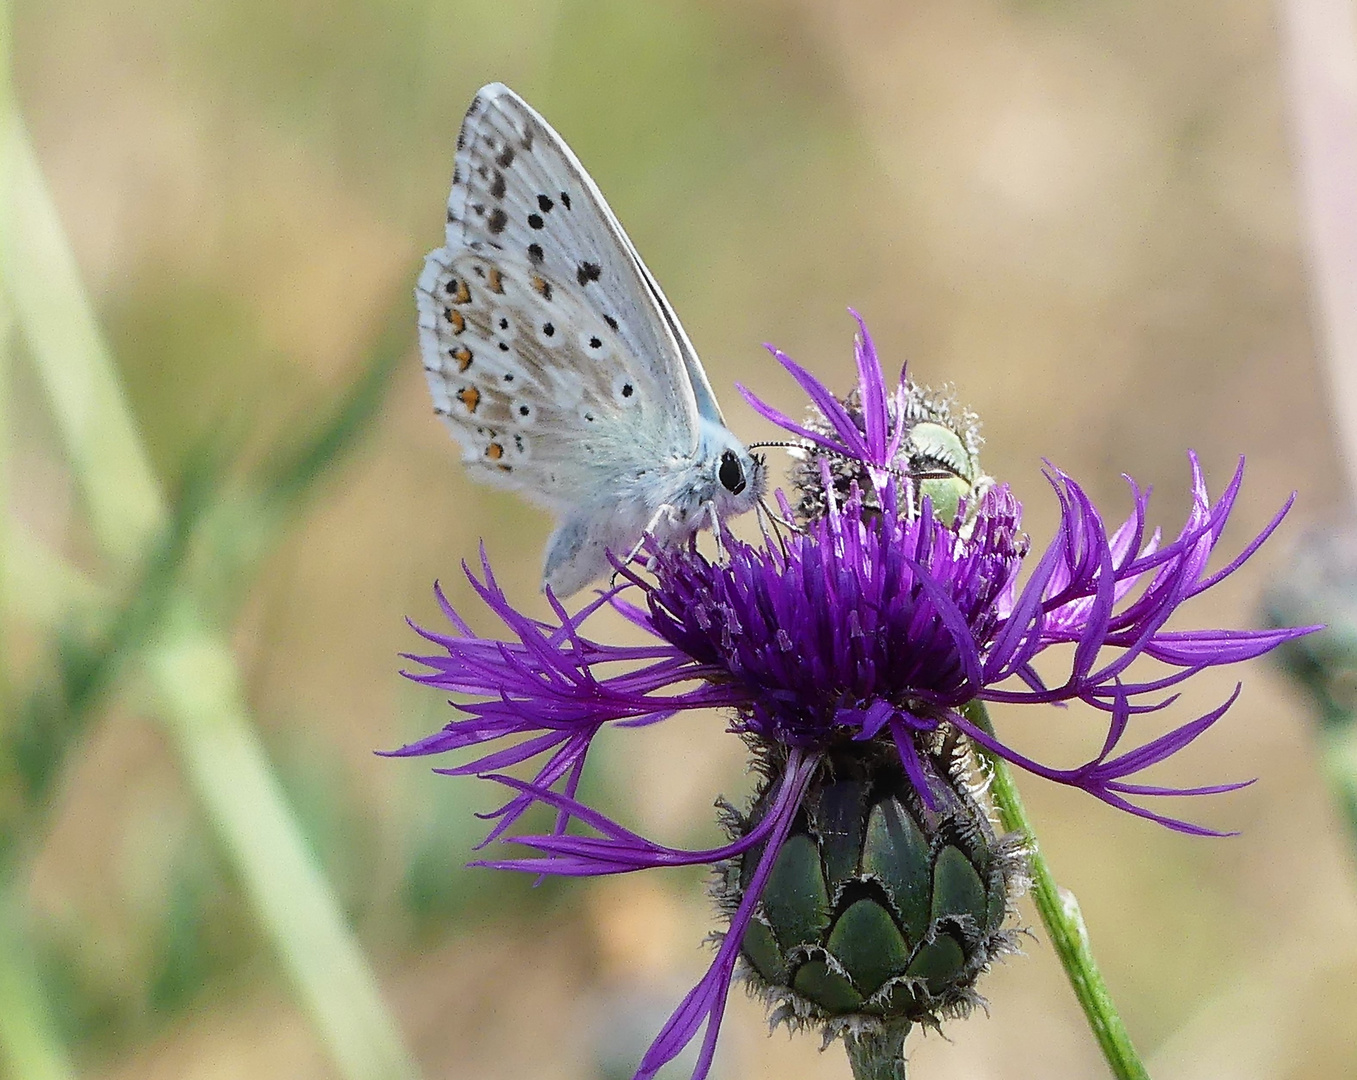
<point>778,446</point>
<point>943,473</point>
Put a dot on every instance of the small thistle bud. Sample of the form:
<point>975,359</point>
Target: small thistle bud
<point>879,908</point>
<point>937,457</point>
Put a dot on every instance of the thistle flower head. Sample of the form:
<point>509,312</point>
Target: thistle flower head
<point>849,653</point>
<point>858,615</point>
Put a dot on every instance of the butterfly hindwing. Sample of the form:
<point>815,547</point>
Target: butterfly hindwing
<point>518,187</point>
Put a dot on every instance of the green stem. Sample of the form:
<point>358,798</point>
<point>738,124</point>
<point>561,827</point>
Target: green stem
<point>879,1055</point>
<point>1060,915</point>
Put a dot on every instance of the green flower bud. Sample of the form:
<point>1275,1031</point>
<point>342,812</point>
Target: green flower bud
<point>939,454</point>
<point>878,910</point>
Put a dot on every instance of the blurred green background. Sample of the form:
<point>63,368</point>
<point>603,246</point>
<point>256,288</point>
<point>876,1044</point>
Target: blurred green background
<point>1081,215</point>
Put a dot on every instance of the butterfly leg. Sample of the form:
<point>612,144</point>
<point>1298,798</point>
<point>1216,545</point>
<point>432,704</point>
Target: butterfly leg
<point>710,508</point>
<point>766,517</point>
<point>665,511</point>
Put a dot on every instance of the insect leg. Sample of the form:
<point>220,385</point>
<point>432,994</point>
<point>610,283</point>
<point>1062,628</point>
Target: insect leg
<point>648,532</point>
<point>763,514</point>
<point>710,508</point>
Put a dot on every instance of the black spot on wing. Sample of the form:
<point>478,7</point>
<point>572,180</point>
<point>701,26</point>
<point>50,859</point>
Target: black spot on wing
<point>535,220</point>
<point>497,186</point>
<point>535,252</point>
<point>588,272</point>
<point>505,158</point>
<point>544,204</point>
<point>565,199</point>
<point>610,321</point>
<point>527,139</point>
<point>498,219</point>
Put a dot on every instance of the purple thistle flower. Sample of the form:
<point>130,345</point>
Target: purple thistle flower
<point>876,623</point>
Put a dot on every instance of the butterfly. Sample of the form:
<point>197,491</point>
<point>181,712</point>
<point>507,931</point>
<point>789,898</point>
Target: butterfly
<point>556,361</point>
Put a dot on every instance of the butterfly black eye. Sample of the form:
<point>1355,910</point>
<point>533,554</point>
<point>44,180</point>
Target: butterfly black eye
<point>731,473</point>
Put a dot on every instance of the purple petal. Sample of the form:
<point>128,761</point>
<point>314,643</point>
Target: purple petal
<point>707,1000</point>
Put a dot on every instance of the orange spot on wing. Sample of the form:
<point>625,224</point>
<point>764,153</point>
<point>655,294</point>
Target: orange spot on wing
<point>457,320</point>
<point>463,358</point>
<point>461,294</point>
<point>494,451</point>
<point>470,397</point>
<point>496,281</point>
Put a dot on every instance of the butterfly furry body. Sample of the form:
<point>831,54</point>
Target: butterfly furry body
<point>555,360</point>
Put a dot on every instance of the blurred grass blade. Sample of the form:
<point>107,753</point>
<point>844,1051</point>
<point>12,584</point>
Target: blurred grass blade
<point>42,732</point>
<point>32,1046</point>
<point>43,285</point>
<point>244,528</point>
<point>195,679</point>
<point>33,1049</point>
<point>297,471</point>
<point>41,587</point>
<point>7,115</point>
<point>1319,39</point>
<point>193,671</point>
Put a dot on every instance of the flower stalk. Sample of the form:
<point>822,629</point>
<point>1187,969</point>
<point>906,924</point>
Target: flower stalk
<point>879,1055</point>
<point>1064,922</point>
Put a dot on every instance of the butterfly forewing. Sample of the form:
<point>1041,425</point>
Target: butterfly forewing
<point>519,188</point>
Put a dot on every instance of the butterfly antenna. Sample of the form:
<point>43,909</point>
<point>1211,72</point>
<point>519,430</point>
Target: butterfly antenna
<point>898,473</point>
<point>776,446</point>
